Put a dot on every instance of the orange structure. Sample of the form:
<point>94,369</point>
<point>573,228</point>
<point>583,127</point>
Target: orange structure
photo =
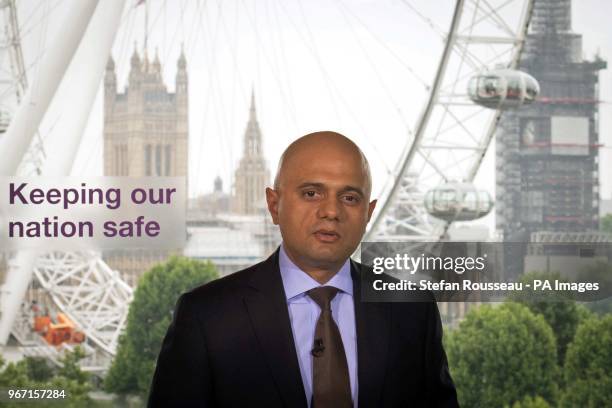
<point>63,331</point>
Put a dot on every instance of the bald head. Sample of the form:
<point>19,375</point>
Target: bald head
<point>321,201</point>
<point>325,144</point>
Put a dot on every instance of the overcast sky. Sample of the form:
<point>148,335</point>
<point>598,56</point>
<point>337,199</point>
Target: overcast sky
<point>353,66</point>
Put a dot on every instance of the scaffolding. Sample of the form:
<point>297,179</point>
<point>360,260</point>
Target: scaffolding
<point>547,153</point>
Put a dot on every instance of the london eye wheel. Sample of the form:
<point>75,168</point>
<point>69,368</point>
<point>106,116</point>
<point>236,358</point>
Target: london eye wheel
<point>432,183</point>
<point>430,187</point>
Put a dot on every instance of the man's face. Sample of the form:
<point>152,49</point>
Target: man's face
<point>321,204</point>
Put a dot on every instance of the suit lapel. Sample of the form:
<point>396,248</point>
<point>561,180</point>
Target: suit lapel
<point>372,326</point>
<point>267,309</point>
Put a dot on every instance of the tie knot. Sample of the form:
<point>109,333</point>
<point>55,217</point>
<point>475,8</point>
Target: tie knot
<point>323,296</point>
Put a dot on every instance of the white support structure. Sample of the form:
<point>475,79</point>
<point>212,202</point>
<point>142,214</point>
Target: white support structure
<point>91,294</point>
<point>12,292</point>
<point>63,143</point>
<point>15,142</point>
<point>452,134</point>
<point>14,81</point>
<point>34,105</point>
<point>80,284</point>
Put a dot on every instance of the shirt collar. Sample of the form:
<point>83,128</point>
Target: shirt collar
<point>296,282</point>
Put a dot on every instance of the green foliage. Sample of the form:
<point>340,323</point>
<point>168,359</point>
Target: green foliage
<point>562,314</point>
<point>532,402</point>
<point>500,355</point>
<point>600,272</point>
<point>605,223</point>
<point>35,373</point>
<point>584,313</point>
<point>148,319</point>
<point>70,366</point>
<point>14,375</point>
<point>588,365</point>
<point>38,369</point>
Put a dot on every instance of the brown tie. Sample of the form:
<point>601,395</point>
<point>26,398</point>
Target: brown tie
<point>331,384</point>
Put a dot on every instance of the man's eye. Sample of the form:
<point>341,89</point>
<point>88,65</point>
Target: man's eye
<point>310,194</point>
<point>351,199</point>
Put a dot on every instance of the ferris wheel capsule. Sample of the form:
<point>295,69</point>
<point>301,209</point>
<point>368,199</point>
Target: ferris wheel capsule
<point>455,201</point>
<point>503,88</point>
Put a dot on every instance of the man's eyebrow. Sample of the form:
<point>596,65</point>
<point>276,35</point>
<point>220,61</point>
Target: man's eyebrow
<point>344,189</point>
<point>310,184</point>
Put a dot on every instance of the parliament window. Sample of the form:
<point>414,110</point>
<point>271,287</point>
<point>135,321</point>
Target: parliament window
<point>167,159</point>
<point>148,154</point>
<point>158,159</point>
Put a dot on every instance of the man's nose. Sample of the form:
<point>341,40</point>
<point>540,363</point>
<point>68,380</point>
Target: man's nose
<point>330,208</point>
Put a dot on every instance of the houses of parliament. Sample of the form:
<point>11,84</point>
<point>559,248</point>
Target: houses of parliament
<point>146,134</point>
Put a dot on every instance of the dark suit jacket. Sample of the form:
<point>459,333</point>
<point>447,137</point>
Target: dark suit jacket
<point>230,344</point>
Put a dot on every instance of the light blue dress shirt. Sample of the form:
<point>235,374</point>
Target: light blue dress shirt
<point>304,313</point>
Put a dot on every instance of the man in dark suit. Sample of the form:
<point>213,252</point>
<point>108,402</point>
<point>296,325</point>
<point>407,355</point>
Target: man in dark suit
<point>292,331</point>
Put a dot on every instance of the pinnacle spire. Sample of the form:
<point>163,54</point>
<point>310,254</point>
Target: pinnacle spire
<point>252,135</point>
<point>135,60</point>
<point>110,64</point>
<point>252,110</point>
<point>182,61</point>
<point>252,173</point>
<point>156,63</point>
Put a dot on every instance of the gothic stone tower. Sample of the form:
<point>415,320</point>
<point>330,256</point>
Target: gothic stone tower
<point>146,127</point>
<point>145,134</point>
<point>547,153</point>
<point>252,175</point>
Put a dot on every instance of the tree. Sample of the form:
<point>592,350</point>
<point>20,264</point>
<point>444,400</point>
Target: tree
<point>35,373</point>
<point>587,365</point>
<point>601,272</point>
<point>38,369</point>
<point>14,374</point>
<point>148,319</point>
<point>562,314</point>
<point>500,355</point>
<point>532,402</point>
<point>70,366</point>
<point>605,223</point>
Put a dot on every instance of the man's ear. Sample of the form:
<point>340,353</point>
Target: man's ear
<point>272,197</point>
<point>371,207</point>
